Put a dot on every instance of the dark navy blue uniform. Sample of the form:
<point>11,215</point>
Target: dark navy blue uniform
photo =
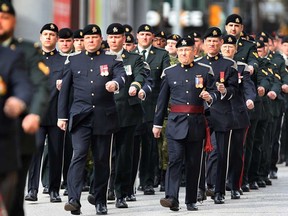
<point>48,127</point>
<point>14,82</point>
<point>92,116</point>
<point>186,124</point>
<point>241,123</point>
<point>221,115</point>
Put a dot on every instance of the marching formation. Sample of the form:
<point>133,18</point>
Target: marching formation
<point>205,111</point>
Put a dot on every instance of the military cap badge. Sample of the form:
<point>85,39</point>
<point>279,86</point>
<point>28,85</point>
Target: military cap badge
<point>230,39</point>
<point>237,20</point>
<point>4,7</point>
<point>184,43</point>
<point>52,26</point>
<point>128,38</point>
<point>162,33</point>
<point>146,28</point>
<point>115,29</point>
<point>214,33</point>
<point>94,29</point>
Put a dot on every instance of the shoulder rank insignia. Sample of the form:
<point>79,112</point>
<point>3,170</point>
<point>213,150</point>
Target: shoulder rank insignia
<point>255,54</point>
<point>3,87</point>
<point>43,68</point>
<point>263,71</point>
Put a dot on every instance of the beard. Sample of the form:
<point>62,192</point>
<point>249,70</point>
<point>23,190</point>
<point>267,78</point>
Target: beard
<point>4,36</point>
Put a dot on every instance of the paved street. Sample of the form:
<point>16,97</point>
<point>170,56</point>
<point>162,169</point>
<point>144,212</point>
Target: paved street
<point>272,201</point>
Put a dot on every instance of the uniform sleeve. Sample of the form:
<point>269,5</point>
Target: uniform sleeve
<point>20,83</point>
<point>39,77</point>
<point>139,73</point>
<point>166,61</point>
<point>162,103</point>
<point>248,86</point>
<point>64,94</point>
<point>119,74</point>
<point>253,57</point>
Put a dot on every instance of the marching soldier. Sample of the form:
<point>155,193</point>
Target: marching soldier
<point>185,87</point>
<point>94,77</point>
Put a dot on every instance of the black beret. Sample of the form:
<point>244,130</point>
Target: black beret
<point>259,44</point>
<point>194,34</point>
<point>212,32</point>
<point>234,18</point>
<point>262,38</point>
<point>7,7</point>
<point>161,34</point>
<point>115,29</point>
<point>145,27</point>
<point>104,44</point>
<point>128,28</point>
<point>92,29</point>
<point>65,33</point>
<point>229,39</point>
<point>185,41</point>
<point>175,37</point>
<point>129,38</point>
<point>78,33</point>
<point>50,27</point>
<point>284,40</point>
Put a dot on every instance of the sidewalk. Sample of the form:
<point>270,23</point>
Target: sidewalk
<point>272,201</point>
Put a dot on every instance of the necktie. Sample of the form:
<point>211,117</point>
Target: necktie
<point>144,54</point>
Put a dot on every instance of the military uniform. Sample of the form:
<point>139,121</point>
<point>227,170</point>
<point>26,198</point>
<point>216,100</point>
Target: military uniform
<point>87,73</point>
<point>186,126</point>
<point>14,81</point>
<point>158,60</point>
<point>38,74</point>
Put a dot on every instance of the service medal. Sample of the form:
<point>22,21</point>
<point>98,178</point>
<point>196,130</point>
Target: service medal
<point>104,70</point>
<point>222,75</point>
<point>3,87</point>
<point>199,81</point>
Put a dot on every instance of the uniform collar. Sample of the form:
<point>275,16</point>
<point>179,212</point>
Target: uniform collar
<point>51,53</point>
<point>187,66</point>
<point>96,53</point>
<point>213,58</point>
<point>7,42</point>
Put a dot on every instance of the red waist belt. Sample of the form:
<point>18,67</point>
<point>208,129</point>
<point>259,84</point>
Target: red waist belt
<point>186,109</point>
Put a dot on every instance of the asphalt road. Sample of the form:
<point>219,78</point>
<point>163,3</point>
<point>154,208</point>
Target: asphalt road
<point>272,200</point>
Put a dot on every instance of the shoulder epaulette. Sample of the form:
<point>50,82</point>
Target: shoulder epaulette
<point>163,73</point>
<point>209,67</point>
<point>198,59</point>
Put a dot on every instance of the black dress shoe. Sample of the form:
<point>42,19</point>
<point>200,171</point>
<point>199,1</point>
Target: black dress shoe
<point>219,198</point>
<point>253,186</point>
<point>101,209</point>
<point>245,188</point>
<point>74,206</point>
<point>267,181</point>
<point>201,195</point>
<point>235,194</point>
<point>31,196</point>
<point>192,207</point>
<point>170,202</point>
<point>45,190</point>
<point>91,199</point>
<point>162,188</point>
<point>121,203</point>
<point>273,175</point>
<point>140,188</point>
<point>210,191</point>
<point>111,195</point>
<point>261,183</point>
<point>54,197</point>
<point>149,190</point>
<point>131,198</point>
<point>241,191</point>
<point>65,193</point>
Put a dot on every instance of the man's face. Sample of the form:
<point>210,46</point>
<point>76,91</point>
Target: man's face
<point>116,42</point>
<point>7,24</point>
<point>92,42</point>
<point>78,44</point>
<point>48,40</point>
<point>145,39</point>
<point>159,42</point>
<point>129,46</point>
<point>284,48</point>
<point>171,47</point>
<point>234,29</point>
<point>228,50</point>
<point>262,52</point>
<point>212,45</point>
<point>198,44</point>
<point>186,54</point>
<point>65,45</point>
